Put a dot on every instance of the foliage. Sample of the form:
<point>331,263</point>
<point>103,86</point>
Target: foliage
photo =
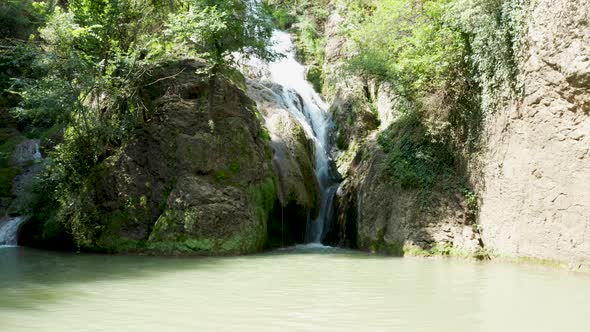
<point>472,202</point>
<point>423,46</point>
<point>310,43</point>
<point>415,159</point>
<point>93,60</point>
<point>409,43</point>
<point>218,31</point>
<point>282,16</point>
<point>450,62</point>
<point>495,33</point>
<point>306,19</point>
<point>18,18</point>
<point>314,76</point>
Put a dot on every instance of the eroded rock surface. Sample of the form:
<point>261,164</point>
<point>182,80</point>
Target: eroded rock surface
<point>376,215</point>
<point>373,213</point>
<point>535,196</point>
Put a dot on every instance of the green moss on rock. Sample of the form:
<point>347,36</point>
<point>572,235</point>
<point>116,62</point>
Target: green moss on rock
<point>262,198</point>
<point>7,175</point>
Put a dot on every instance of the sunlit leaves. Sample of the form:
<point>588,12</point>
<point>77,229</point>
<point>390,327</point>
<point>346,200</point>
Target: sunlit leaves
<point>407,42</point>
<point>217,31</point>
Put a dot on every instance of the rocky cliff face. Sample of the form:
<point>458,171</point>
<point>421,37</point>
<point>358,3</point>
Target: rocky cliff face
<point>293,162</point>
<point>535,199</point>
<point>374,213</point>
<point>19,158</point>
<point>377,215</point>
<point>196,178</point>
<point>532,175</point>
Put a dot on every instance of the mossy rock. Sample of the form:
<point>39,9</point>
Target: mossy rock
<point>7,175</point>
<point>195,179</point>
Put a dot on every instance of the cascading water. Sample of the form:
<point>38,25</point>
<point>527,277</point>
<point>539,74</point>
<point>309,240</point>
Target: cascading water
<point>25,152</point>
<point>9,231</point>
<point>299,98</point>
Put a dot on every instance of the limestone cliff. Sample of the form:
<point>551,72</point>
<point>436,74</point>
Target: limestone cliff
<point>377,215</point>
<point>531,175</point>
<point>534,188</point>
<point>374,213</point>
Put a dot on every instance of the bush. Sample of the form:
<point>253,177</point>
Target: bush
<point>315,77</point>
<point>408,42</point>
<point>306,19</point>
<point>281,17</point>
<point>415,159</point>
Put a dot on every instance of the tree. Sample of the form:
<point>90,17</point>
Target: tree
<point>219,30</point>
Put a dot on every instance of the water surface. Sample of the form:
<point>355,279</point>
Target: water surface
<point>303,289</point>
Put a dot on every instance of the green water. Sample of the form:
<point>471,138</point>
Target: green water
<point>291,290</point>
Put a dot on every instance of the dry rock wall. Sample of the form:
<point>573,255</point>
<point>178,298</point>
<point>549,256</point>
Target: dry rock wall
<point>535,195</point>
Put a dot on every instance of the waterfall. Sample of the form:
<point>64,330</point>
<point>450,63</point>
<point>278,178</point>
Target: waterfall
<point>28,150</point>
<point>9,231</point>
<point>24,153</point>
<point>298,97</point>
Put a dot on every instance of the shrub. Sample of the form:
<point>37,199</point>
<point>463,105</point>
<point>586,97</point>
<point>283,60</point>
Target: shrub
<point>415,159</point>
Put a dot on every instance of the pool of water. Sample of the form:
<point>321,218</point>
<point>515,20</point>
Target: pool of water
<point>299,289</point>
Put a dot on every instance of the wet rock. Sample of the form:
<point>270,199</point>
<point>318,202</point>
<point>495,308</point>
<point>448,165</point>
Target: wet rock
<point>293,160</point>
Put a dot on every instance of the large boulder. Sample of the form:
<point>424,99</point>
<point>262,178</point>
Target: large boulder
<point>196,178</point>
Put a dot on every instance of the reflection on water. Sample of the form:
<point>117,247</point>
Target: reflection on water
<point>300,288</point>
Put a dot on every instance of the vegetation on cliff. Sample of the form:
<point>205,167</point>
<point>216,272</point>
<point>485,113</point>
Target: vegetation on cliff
<point>443,66</point>
<point>92,72</point>
<point>83,76</point>
<point>306,19</point>
<point>449,63</point>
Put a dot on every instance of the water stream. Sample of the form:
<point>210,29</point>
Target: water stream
<point>299,98</point>
<point>25,152</point>
<point>9,231</point>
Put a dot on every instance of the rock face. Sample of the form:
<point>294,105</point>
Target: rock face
<point>379,216</point>
<point>27,157</point>
<point>531,179</point>
<point>9,139</point>
<point>196,178</point>
<point>373,213</point>
<point>352,107</point>
<point>535,195</point>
